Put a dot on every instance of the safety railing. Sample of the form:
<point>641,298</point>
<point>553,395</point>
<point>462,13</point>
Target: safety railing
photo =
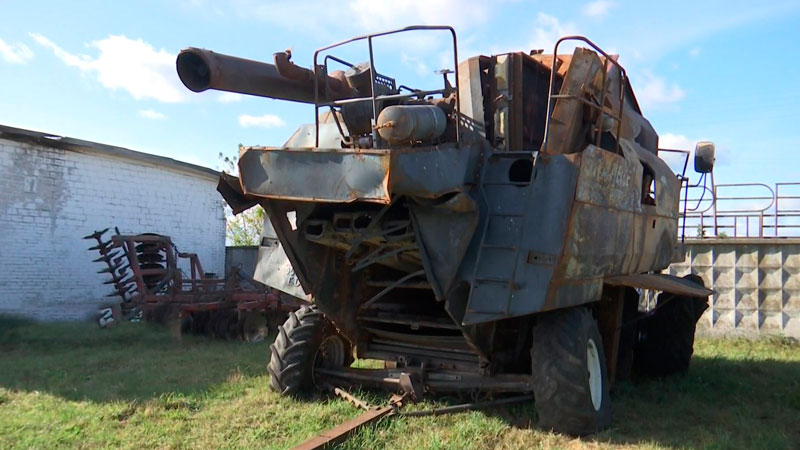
<point>377,79</point>
<point>742,210</point>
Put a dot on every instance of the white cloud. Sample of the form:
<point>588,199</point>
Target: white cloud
<point>419,66</point>
<point>655,92</point>
<point>326,17</point>
<point>265,121</point>
<point>675,141</point>
<point>15,53</point>
<point>152,115</point>
<point>387,14</point>
<point>127,64</point>
<point>597,8</point>
<point>695,52</point>
<point>548,29</point>
<point>229,97</point>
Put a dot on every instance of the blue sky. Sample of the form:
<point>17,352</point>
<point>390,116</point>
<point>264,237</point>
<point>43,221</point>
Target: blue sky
<point>726,71</point>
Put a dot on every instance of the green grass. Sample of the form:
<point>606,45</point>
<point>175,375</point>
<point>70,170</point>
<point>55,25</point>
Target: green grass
<point>132,386</point>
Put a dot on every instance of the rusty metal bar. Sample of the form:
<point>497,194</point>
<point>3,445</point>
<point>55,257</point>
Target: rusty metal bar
<point>468,406</point>
<point>392,286</point>
<point>339,433</point>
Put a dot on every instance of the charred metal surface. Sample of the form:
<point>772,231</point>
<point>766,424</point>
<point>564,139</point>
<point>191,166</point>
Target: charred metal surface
<point>519,190</point>
<point>231,190</point>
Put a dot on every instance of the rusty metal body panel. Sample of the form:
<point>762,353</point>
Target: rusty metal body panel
<point>344,175</point>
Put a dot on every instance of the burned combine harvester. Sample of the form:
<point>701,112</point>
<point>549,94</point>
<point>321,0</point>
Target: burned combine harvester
<point>145,272</point>
<point>485,237</point>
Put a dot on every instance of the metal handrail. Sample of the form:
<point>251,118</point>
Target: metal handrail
<point>373,74</point>
<point>767,209</point>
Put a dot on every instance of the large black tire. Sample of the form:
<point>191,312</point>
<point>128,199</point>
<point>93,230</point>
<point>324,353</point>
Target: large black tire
<point>570,380</point>
<point>297,349</point>
<point>666,339</point>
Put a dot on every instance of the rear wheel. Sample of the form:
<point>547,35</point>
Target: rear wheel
<point>305,341</point>
<point>665,342</point>
<point>570,381</point>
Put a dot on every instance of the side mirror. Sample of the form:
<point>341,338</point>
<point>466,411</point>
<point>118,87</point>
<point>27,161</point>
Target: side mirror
<point>704,157</point>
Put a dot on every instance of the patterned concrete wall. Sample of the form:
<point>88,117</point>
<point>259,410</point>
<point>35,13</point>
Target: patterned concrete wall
<point>757,284</point>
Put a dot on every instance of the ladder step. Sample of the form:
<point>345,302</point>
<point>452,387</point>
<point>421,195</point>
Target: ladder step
<point>505,215</point>
<point>492,280</point>
<point>412,285</point>
<point>501,247</point>
<point>506,183</point>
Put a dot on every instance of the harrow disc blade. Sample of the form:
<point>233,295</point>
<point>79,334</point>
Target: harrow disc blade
<point>101,246</point>
<point>96,234</point>
<point>148,247</point>
<point>110,269</point>
<point>151,258</point>
<point>107,257</point>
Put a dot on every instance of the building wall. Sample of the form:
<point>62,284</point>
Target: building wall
<point>50,198</point>
<point>757,284</point>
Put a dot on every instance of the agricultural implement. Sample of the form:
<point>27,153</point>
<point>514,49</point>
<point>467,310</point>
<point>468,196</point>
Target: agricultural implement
<point>145,271</point>
<point>489,236</point>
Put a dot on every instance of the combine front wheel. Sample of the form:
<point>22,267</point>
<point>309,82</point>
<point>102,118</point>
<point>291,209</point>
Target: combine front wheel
<point>306,340</point>
<point>570,383</point>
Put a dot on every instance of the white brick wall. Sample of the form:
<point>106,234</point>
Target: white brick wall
<point>50,198</point>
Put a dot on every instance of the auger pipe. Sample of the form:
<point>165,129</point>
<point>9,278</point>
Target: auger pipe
<point>200,70</point>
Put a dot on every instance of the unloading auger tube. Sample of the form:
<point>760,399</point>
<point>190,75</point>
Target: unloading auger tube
<point>434,233</point>
<point>200,70</point>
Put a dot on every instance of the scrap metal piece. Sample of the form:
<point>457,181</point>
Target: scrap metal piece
<point>339,433</point>
<point>231,190</point>
<point>353,400</point>
<point>660,282</point>
<point>468,406</point>
<point>410,384</point>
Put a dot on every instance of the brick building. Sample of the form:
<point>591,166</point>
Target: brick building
<point>55,190</point>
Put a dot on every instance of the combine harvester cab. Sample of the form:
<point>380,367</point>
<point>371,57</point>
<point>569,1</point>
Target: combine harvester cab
<point>485,237</point>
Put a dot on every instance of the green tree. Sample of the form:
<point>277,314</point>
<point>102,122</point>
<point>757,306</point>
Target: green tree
<point>244,228</point>
<point>701,231</point>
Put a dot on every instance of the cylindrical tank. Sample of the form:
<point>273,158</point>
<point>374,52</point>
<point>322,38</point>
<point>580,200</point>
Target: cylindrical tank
<point>402,124</point>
